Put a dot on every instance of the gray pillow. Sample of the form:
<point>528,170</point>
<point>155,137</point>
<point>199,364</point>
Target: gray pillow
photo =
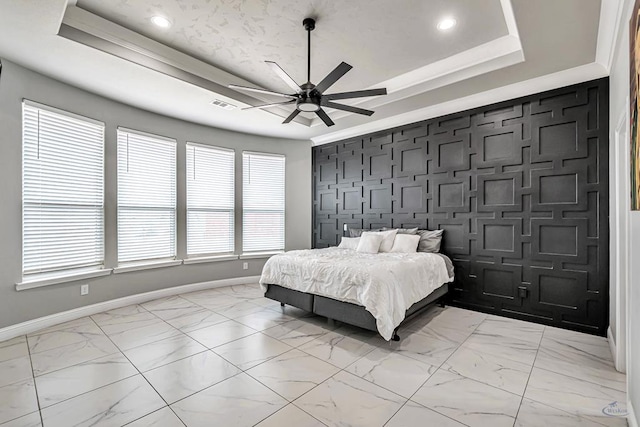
<point>403,230</point>
<point>357,232</point>
<point>430,240</point>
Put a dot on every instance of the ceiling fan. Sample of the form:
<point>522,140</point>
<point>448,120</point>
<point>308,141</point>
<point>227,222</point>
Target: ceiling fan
<point>309,97</point>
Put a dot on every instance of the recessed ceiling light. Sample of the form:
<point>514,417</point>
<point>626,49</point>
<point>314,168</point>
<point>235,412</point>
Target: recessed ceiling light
<point>446,24</point>
<point>161,21</point>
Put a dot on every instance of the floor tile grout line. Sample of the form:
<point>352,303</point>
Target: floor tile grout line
<point>35,385</point>
<point>555,373</point>
<point>121,352</point>
<point>283,408</point>
<point>292,402</point>
<point>529,377</point>
<point>79,363</point>
<point>579,379</point>
<point>375,347</point>
<point>244,371</point>
<point>151,413</point>
<point>435,372</point>
<point>210,349</point>
<point>142,375</point>
<point>361,357</point>
<point>190,337</point>
<point>297,347</point>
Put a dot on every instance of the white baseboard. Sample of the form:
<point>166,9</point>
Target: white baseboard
<point>631,417</point>
<point>65,316</point>
<point>612,346</point>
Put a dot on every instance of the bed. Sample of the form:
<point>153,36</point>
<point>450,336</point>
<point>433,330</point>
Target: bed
<point>375,291</point>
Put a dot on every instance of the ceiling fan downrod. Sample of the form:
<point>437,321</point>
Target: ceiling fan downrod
<point>309,25</point>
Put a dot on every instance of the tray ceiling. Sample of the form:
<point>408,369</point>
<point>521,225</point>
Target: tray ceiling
<point>381,39</point>
<point>110,47</point>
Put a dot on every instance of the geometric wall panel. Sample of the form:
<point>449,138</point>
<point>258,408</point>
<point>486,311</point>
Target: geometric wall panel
<point>559,189</point>
<point>520,189</point>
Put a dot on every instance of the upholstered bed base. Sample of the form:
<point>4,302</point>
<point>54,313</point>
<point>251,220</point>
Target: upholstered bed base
<point>346,312</point>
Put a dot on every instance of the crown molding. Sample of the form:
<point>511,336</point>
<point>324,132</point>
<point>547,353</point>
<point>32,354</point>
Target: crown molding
<point>611,15</point>
<point>539,84</point>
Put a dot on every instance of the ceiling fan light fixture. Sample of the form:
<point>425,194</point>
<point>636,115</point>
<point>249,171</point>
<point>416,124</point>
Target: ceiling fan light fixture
<point>160,21</point>
<point>446,24</point>
<point>308,107</point>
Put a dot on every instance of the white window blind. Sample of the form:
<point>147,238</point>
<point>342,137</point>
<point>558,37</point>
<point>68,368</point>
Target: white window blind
<point>210,200</point>
<point>146,197</point>
<point>62,191</point>
<point>263,202</point>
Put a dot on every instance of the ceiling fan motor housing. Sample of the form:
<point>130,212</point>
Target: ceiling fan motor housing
<point>308,99</point>
<point>309,24</point>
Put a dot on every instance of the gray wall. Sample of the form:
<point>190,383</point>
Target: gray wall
<point>16,84</point>
<point>619,104</point>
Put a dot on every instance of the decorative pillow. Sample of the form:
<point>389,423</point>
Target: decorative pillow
<point>357,232</point>
<point>369,243</point>
<point>404,230</point>
<point>430,240</point>
<point>349,243</point>
<point>405,243</point>
<point>387,239</point>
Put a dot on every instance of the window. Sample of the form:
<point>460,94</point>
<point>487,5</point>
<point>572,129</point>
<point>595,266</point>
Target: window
<point>263,202</point>
<point>62,191</point>
<point>210,200</point>
<point>146,197</point>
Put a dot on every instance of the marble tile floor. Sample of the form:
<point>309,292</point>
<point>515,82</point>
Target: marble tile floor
<point>229,357</point>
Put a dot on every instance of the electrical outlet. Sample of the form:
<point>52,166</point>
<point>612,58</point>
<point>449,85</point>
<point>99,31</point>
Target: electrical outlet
<point>84,290</point>
<point>245,265</point>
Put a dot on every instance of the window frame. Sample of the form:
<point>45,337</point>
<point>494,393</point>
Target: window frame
<point>210,255</point>
<point>130,265</point>
<point>246,254</point>
<point>57,275</point>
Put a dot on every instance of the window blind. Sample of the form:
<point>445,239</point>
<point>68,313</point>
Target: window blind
<point>146,197</point>
<point>263,202</point>
<point>62,191</point>
<point>210,200</point>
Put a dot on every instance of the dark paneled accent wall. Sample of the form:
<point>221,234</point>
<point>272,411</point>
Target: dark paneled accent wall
<point>520,188</point>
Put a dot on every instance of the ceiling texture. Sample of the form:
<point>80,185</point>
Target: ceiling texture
<point>112,48</point>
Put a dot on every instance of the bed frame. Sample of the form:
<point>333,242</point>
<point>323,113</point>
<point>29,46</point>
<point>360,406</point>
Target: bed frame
<point>346,312</point>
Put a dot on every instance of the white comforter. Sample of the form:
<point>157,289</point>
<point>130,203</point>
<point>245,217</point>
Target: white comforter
<point>386,284</point>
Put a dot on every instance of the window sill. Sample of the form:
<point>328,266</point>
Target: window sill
<point>256,255</point>
<point>146,266</point>
<point>54,280</point>
<point>215,258</point>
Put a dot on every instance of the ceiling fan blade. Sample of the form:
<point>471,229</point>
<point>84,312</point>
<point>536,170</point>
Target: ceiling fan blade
<point>348,108</point>
<point>291,116</point>
<point>263,91</point>
<point>284,76</point>
<point>355,94</point>
<point>333,76</point>
<point>325,118</point>
<point>274,104</point>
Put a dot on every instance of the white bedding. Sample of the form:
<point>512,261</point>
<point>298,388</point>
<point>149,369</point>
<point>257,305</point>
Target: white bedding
<point>386,284</point>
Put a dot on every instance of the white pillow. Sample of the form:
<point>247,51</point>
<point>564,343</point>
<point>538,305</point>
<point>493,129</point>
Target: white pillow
<point>369,243</point>
<point>349,243</point>
<point>406,243</point>
<point>387,239</point>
